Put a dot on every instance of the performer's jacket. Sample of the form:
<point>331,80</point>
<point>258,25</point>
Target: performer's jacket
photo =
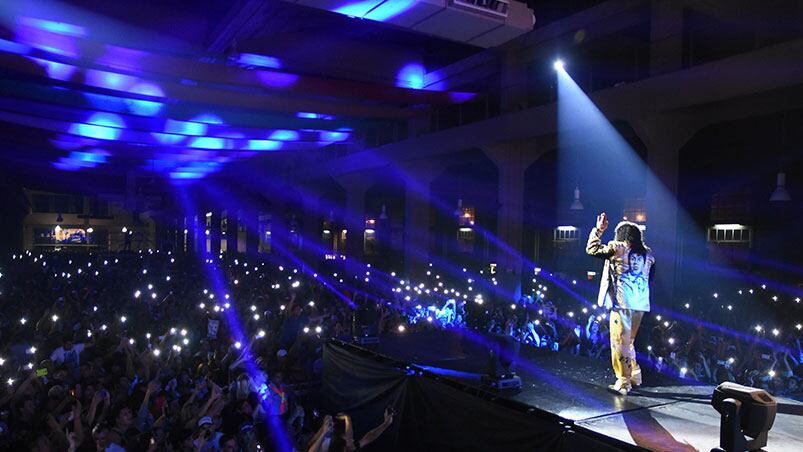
<point>621,288</point>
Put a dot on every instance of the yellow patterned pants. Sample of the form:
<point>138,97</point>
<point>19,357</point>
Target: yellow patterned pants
<point>624,324</point>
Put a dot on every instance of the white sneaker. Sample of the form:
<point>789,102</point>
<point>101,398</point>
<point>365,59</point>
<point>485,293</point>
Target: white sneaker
<point>618,389</point>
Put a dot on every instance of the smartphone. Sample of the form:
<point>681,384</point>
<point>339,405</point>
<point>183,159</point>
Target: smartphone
<point>41,372</point>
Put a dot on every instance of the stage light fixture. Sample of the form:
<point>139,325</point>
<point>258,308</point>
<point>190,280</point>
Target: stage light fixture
<point>745,413</point>
<point>558,65</point>
<point>503,353</point>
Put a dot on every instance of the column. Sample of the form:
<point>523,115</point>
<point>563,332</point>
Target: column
<point>666,226</point>
<point>200,232</point>
<point>311,246</point>
<point>418,177</point>
<point>214,233</point>
<point>512,160</point>
<point>251,220</point>
<point>356,185</point>
<point>232,230</point>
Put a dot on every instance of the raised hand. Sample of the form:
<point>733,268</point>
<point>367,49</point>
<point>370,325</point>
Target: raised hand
<point>602,222</point>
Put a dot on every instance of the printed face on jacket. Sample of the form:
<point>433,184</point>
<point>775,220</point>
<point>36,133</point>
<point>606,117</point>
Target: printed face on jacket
<point>636,263</point>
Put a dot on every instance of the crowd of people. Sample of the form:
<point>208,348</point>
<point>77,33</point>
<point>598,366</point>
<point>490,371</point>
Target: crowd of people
<point>160,351</point>
<point>746,336</point>
<point>155,351</point>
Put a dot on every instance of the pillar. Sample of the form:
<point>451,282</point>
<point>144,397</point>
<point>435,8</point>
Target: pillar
<point>418,177</point>
<point>232,230</point>
<point>214,233</point>
<point>311,246</point>
<point>251,220</point>
<point>664,137</point>
<point>512,160</point>
<point>197,226</point>
<point>356,185</point>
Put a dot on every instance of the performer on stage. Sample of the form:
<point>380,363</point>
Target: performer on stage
<point>625,290</point>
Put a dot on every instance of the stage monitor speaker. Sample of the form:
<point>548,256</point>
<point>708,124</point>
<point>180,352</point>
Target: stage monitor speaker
<point>745,413</point>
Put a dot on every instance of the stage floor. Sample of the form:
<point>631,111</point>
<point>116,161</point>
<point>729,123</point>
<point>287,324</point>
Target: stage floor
<point>664,414</point>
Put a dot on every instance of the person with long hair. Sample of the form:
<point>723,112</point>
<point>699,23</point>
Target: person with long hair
<point>625,290</point>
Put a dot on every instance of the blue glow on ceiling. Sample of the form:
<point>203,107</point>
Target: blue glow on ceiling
<point>109,80</point>
<point>411,76</point>
<point>58,71</point>
<point>185,149</point>
<point>284,135</point>
<point>264,145</point>
<point>328,135</point>
<point>173,126</point>
<point>208,118</point>
<point>208,143</point>
<point>122,57</point>
<point>252,59</point>
<point>276,79</point>
<point>389,10</point>
<point>47,41</point>
<point>378,10</point>
<point>186,175</point>
<point>106,102</point>
<point>89,157</point>
<point>168,138</point>
<point>175,131</point>
<point>310,115</point>
<point>145,107</point>
<point>195,170</point>
<point>61,28</point>
<point>356,8</point>
<point>459,97</point>
<point>102,126</point>
<point>79,160</point>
